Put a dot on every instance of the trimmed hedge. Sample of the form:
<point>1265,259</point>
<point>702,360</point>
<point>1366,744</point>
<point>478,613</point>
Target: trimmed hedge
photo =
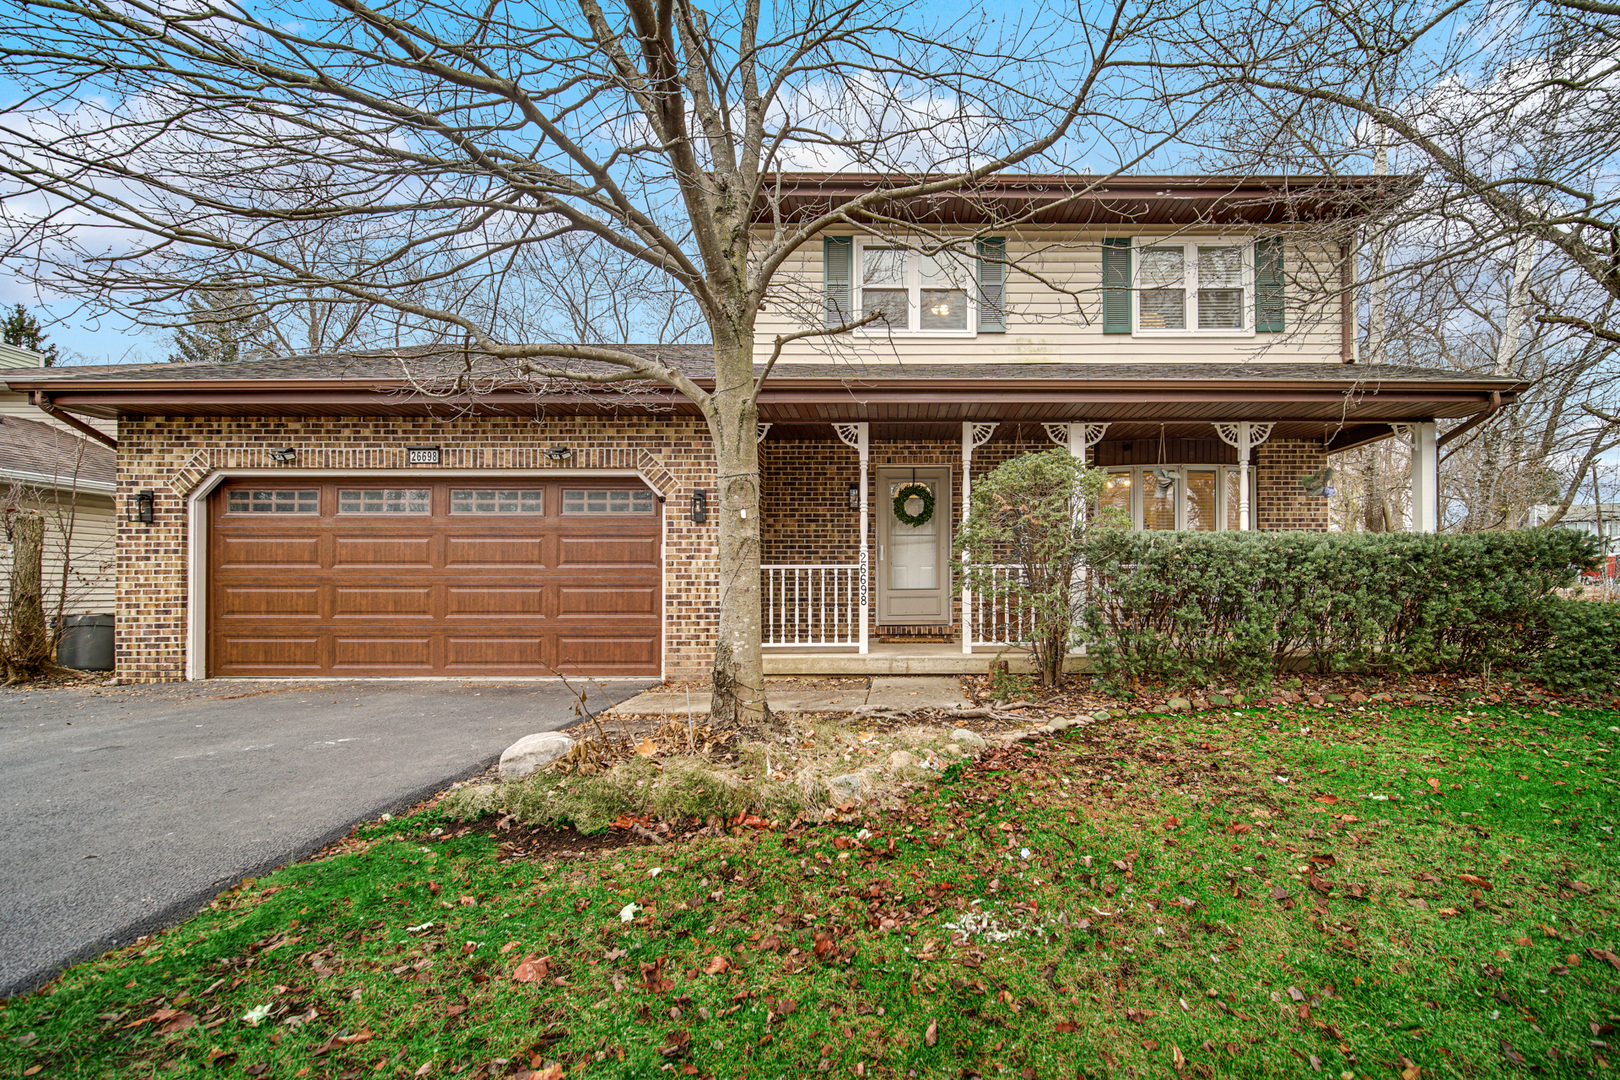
<point>1579,647</point>
<point>1195,607</point>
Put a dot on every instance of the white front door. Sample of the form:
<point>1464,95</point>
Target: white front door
<point>914,571</point>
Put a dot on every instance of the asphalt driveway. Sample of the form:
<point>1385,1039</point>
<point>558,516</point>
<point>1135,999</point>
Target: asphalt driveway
<point>129,808</point>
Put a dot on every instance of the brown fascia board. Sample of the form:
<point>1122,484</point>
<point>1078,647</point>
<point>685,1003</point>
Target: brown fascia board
<point>1031,188</point>
<point>178,398</point>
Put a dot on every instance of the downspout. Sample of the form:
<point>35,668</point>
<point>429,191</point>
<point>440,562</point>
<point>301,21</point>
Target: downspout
<point>43,401</point>
<point>1474,421</point>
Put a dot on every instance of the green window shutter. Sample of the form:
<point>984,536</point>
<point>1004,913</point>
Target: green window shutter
<point>838,253</point>
<point>992,285</point>
<point>1116,285</point>
<point>1268,284</point>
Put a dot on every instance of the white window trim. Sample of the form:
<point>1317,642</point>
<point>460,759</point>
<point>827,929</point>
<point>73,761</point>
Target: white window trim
<point>1190,246</point>
<point>1222,509</point>
<point>913,292</point>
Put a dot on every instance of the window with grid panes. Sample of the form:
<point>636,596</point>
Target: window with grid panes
<point>1194,287</point>
<point>916,293</point>
<point>607,501</point>
<point>274,501</point>
<point>384,501</point>
<point>497,500</point>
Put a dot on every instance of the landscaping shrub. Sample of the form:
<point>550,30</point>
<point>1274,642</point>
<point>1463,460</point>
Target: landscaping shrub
<point>1580,650</point>
<point>1033,516</point>
<point>1195,607</point>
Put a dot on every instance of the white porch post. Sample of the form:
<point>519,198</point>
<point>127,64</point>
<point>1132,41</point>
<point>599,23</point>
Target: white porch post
<point>1079,438</point>
<point>1245,436</point>
<point>859,436</point>
<point>973,436</point>
<point>1423,439</point>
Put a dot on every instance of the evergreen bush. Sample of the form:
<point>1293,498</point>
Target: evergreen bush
<point>1192,608</point>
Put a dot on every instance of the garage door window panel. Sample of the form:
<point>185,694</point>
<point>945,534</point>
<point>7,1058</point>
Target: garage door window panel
<point>497,500</point>
<point>608,501</point>
<point>274,501</point>
<point>385,501</point>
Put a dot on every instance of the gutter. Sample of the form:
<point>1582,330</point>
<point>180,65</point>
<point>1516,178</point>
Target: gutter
<point>59,483</point>
<point>1473,421</point>
<point>43,400</point>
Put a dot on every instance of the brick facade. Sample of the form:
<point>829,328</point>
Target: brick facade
<point>1280,501</point>
<point>805,514</point>
<point>171,456</point>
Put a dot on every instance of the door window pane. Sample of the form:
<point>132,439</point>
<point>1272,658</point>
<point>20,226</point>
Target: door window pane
<point>1201,499</point>
<point>913,549</point>
<point>496,500</point>
<point>1163,289</point>
<point>274,501</point>
<point>607,501</point>
<point>384,501</point>
<point>1220,288</point>
<point>1160,486</point>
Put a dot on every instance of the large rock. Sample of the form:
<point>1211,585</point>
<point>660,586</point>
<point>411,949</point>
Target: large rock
<point>902,759</point>
<point>968,739</point>
<point>1178,704</point>
<point>845,789</point>
<point>533,753</point>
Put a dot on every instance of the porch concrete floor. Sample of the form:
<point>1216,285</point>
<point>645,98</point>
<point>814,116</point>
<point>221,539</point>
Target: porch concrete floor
<point>905,692</point>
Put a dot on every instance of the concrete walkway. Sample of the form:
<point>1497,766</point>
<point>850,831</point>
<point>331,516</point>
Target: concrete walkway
<point>899,693</point>
<point>128,808</point>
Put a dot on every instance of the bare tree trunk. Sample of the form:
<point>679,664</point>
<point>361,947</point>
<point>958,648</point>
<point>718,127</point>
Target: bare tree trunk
<point>28,644</point>
<point>739,673</point>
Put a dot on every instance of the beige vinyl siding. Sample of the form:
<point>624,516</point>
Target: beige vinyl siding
<point>1044,323</point>
<point>15,404</point>
<point>91,568</point>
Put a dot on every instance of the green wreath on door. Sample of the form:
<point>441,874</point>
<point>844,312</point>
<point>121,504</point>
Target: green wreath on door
<point>905,495</point>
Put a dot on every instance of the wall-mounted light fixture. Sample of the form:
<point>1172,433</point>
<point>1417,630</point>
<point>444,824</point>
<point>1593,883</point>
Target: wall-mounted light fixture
<point>559,453</point>
<point>140,506</point>
<point>284,455</point>
<point>854,495</point>
<point>700,506</point>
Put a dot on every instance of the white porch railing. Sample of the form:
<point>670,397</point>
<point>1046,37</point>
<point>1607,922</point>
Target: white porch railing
<point>810,604</point>
<point>998,620</point>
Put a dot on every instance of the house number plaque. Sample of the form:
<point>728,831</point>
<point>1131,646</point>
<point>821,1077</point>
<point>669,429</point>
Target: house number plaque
<point>421,455</point>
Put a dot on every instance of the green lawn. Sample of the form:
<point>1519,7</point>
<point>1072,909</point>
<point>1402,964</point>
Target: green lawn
<point>1235,893</point>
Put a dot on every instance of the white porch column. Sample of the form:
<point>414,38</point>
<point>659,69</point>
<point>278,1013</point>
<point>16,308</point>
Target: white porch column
<point>1423,439</point>
<point>859,436</point>
<point>1079,438</point>
<point>1245,436</point>
<point>973,436</point>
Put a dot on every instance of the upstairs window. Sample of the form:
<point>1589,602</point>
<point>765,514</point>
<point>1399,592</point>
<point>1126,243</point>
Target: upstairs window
<point>916,293</point>
<point>1196,287</point>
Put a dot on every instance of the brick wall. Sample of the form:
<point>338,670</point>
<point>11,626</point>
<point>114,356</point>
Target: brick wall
<point>1281,503</point>
<point>171,456</point>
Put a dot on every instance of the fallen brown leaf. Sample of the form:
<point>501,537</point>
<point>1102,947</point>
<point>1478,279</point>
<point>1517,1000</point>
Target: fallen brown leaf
<point>931,1036</point>
<point>532,969</point>
<point>1475,881</point>
<point>718,966</point>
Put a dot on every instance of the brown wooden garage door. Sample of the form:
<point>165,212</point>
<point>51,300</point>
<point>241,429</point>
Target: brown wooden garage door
<point>411,577</point>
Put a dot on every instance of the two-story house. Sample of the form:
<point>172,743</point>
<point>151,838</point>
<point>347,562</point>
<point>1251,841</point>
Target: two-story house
<point>324,516</point>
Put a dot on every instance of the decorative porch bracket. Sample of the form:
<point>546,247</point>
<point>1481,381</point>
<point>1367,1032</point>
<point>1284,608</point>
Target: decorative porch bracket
<point>1077,437</point>
<point>858,436</point>
<point>759,432</point>
<point>1245,436</point>
<point>1423,438</point>
<point>974,435</point>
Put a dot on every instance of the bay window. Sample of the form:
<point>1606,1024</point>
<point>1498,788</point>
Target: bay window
<point>1201,498</point>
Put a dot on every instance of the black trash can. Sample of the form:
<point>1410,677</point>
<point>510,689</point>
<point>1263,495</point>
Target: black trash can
<point>86,643</point>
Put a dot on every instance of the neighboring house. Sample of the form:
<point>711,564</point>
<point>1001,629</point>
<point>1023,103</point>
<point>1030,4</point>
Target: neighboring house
<point>325,516</point>
<point>69,478</point>
<point>1593,519</point>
